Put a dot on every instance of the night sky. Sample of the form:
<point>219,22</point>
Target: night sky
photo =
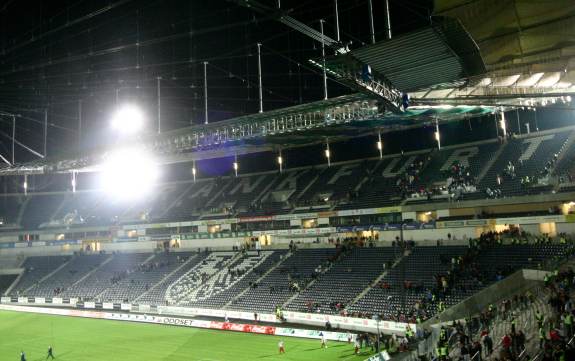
<point>56,55</point>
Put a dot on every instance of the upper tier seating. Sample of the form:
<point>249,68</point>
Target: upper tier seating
<point>336,183</point>
<point>523,157</point>
<point>496,169</point>
<point>39,209</point>
<point>10,207</point>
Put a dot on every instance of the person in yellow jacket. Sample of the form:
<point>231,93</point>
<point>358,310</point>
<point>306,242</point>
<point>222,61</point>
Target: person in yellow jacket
<point>568,322</point>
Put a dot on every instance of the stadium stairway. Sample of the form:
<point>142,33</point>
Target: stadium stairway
<point>525,321</point>
<point>124,285</point>
<point>92,272</point>
<point>14,263</point>
<point>307,187</point>
<point>380,278</point>
<point>257,281</point>
<point>490,163</point>
<point>213,199</point>
<point>6,281</point>
<point>48,275</point>
<point>156,293</point>
<point>308,287</point>
<point>350,273</point>
<point>179,292</point>
<point>268,188</point>
<point>22,210</point>
<point>273,289</point>
<point>14,283</point>
<point>35,269</point>
<point>567,149</point>
<point>228,282</point>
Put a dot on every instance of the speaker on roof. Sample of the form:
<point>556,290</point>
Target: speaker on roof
<point>405,101</point>
<point>366,72</point>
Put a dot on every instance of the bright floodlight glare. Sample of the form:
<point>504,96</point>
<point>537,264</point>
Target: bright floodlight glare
<point>128,119</point>
<point>128,174</point>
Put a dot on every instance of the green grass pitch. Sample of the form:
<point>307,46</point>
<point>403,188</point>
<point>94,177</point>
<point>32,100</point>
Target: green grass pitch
<point>81,339</point>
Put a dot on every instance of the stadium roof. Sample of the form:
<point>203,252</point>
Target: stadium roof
<point>518,36</point>
<point>440,66</point>
<point>528,49</point>
<point>439,54</point>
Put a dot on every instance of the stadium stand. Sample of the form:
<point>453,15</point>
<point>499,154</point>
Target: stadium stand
<point>380,187</point>
<point>530,157</point>
<point>241,274</point>
<point>146,275</point>
<point>186,287</point>
<point>296,271</point>
<point>347,275</point>
<point>117,267</point>
<point>5,282</point>
<point>526,164</point>
<point>409,282</point>
<point>392,282</point>
<point>37,268</point>
<point>68,275</point>
<point>11,210</point>
<point>178,264</point>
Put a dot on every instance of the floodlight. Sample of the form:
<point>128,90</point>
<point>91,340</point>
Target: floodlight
<point>194,170</point>
<point>74,183</point>
<point>129,173</point>
<point>281,162</point>
<point>128,119</point>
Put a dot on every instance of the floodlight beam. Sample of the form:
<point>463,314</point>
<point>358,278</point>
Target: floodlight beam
<point>128,120</point>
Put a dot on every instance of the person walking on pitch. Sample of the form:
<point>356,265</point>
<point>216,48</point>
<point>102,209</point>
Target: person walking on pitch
<point>50,353</point>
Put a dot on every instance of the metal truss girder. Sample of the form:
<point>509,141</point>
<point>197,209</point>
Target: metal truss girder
<point>292,23</point>
<point>197,138</point>
<point>351,74</point>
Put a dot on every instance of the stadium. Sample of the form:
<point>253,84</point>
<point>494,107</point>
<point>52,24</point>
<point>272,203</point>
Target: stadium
<point>236,180</point>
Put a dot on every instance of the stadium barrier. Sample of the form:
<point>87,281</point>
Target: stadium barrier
<point>310,319</point>
<point>183,322</point>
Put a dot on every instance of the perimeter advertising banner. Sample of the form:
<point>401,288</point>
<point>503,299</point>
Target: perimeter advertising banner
<point>182,322</point>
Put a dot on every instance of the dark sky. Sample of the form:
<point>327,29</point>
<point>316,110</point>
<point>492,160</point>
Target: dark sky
<point>56,54</point>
